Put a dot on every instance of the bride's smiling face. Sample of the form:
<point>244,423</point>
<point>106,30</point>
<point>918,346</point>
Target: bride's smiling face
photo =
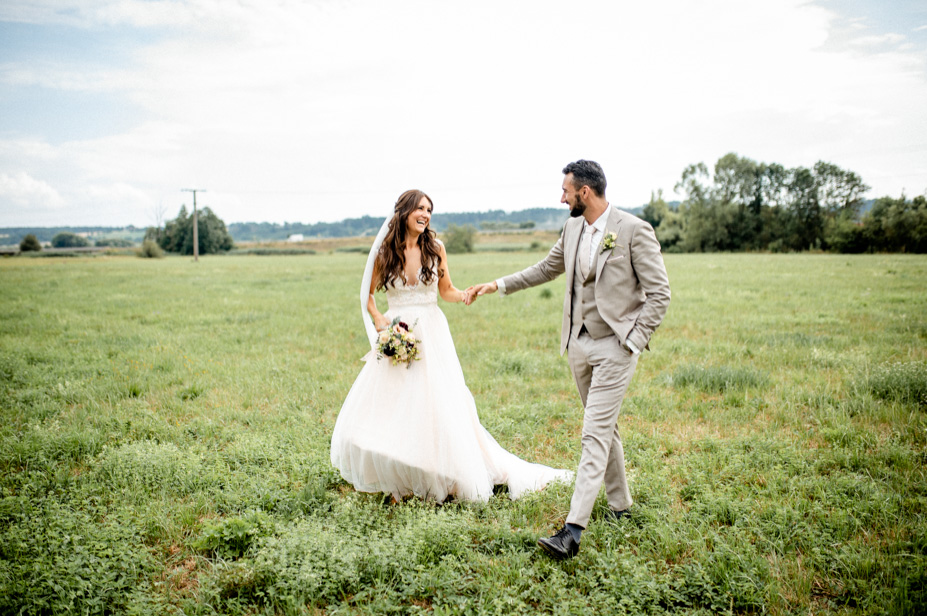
<point>419,217</point>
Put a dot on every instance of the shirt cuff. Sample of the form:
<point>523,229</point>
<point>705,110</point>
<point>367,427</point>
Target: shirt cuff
<point>501,285</point>
<point>632,346</point>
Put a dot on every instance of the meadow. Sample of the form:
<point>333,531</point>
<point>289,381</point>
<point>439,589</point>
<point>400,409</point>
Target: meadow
<point>166,424</point>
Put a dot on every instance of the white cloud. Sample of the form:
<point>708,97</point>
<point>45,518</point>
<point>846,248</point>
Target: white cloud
<point>25,191</point>
<point>878,40</point>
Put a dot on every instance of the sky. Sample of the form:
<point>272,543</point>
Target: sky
<point>320,110</point>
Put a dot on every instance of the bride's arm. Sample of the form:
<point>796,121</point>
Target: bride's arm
<point>446,288</point>
<point>380,322</point>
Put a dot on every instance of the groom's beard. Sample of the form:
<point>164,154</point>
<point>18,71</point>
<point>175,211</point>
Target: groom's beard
<point>577,210</point>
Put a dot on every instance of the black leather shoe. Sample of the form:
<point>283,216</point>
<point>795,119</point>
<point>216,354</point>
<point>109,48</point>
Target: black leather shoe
<point>614,516</point>
<point>560,546</point>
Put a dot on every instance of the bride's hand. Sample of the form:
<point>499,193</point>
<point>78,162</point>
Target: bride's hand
<point>480,289</point>
<point>380,322</point>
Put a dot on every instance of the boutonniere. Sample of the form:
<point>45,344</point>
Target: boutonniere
<point>608,242</point>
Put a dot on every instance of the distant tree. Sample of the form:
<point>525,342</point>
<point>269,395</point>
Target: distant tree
<point>773,197</point>
<point>806,217</point>
<point>738,196</point>
<point>66,239</point>
<point>459,239</point>
<point>839,191</point>
<point>173,237</point>
<point>178,233</point>
<point>30,244</point>
<point>153,234</point>
<point>158,213</point>
<point>655,211</point>
<point>774,229</point>
<point>149,250</point>
<point>114,242</point>
<point>897,225</point>
<point>706,226</point>
<point>736,180</point>
<point>844,234</point>
<point>667,223</point>
<point>747,205</point>
<point>773,185</point>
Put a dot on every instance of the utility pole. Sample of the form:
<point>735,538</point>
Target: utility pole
<point>196,231</point>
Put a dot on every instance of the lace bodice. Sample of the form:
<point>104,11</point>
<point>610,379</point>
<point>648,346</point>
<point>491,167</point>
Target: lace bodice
<point>414,295</point>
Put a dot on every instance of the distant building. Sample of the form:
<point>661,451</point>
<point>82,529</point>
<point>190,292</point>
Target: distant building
<point>294,237</point>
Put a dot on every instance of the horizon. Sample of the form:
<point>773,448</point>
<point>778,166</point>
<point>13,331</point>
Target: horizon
<point>309,223</point>
<point>297,222</point>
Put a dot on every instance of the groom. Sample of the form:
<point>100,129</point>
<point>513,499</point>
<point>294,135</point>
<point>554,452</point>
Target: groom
<point>617,293</point>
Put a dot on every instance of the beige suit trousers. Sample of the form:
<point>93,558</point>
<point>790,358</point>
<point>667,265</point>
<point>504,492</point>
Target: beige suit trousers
<point>602,370</point>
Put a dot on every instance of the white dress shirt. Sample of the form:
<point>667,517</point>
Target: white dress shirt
<point>598,230</point>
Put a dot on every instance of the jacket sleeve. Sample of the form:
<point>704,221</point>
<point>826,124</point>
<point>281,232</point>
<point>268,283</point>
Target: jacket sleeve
<point>647,262</point>
<point>543,271</point>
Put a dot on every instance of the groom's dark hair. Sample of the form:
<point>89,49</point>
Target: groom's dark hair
<point>587,173</point>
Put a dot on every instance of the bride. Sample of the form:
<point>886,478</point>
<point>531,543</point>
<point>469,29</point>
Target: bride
<point>414,429</point>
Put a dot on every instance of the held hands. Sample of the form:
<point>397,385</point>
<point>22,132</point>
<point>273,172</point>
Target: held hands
<point>475,291</point>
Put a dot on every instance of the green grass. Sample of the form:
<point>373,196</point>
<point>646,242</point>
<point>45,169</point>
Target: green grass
<point>165,432</point>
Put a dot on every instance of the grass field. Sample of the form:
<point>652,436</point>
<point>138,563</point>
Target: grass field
<point>165,432</point>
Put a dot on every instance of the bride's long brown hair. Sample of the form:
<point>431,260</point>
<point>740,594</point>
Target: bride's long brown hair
<point>391,259</point>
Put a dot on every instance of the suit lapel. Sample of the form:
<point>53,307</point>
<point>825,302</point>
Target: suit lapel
<point>611,226</point>
<point>571,246</point>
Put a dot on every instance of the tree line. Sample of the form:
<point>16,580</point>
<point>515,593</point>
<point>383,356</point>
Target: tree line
<point>747,205</point>
<point>67,239</point>
<point>532,218</point>
<point>742,205</point>
<point>47,235</point>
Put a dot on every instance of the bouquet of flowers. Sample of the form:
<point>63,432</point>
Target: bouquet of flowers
<point>398,343</point>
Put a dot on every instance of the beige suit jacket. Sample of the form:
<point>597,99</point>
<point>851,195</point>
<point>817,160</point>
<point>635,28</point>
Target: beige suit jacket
<point>631,290</point>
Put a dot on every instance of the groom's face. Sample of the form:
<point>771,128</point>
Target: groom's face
<point>572,197</point>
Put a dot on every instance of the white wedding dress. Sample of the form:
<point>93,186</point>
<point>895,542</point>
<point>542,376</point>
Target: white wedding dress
<point>415,430</point>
